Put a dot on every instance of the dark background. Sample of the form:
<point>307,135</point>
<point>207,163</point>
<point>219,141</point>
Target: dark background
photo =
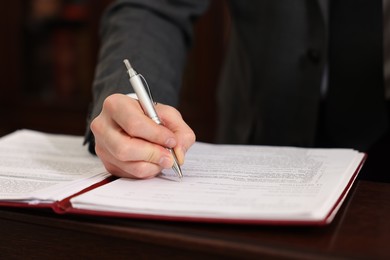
<point>48,52</point>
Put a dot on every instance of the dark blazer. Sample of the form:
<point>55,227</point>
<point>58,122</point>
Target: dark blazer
<point>270,91</point>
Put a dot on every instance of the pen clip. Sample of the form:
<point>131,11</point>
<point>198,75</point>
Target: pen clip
<point>148,89</point>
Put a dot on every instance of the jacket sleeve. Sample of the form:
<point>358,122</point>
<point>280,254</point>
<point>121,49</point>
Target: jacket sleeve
<point>155,36</point>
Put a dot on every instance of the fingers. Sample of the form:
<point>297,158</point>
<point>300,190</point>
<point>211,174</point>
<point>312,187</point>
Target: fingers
<point>126,148</point>
<point>127,155</point>
<point>131,145</point>
<point>127,113</point>
<point>185,136</point>
<point>127,169</point>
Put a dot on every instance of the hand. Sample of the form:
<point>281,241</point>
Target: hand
<point>130,144</point>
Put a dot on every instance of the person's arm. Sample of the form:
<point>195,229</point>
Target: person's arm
<point>155,36</point>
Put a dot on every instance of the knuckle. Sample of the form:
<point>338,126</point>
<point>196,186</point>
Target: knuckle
<point>190,136</point>
<point>171,111</point>
<point>110,102</point>
<point>99,151</point>
<point>175,112</point>
<point>96,125</point>
<point>110,168</point>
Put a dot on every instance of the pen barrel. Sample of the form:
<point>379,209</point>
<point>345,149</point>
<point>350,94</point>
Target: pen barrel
<point>144,98</point>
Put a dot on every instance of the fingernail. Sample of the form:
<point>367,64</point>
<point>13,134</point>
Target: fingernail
<point>170,143</point>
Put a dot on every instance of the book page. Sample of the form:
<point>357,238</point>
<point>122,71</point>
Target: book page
<point>236,182</point>
<point>40,167</point>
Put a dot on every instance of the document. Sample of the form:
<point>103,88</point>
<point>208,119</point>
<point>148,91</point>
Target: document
<point>37,167</point>
<point>221,183</point>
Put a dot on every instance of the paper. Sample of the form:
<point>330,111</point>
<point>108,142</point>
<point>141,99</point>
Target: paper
<point>236,182</point>
<point>221,182</point>
<point>41,167</point>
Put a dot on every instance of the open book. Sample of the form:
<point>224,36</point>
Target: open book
<point>222,183</point>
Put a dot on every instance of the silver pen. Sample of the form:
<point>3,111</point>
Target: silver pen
<point>146,101</point>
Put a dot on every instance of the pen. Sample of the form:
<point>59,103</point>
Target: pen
<point>146,101</point>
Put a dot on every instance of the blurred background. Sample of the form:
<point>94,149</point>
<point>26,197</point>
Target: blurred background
<point>48,52</point>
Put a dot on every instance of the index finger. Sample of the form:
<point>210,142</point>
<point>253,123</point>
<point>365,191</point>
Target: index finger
<point>185,136</point>
<point>128,114</point>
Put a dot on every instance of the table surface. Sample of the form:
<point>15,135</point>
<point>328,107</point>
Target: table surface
<point>361,229</point>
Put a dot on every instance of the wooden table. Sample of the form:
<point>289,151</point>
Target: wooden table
<point>360,230</point>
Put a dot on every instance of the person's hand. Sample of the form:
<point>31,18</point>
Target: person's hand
<point>130,144</point>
